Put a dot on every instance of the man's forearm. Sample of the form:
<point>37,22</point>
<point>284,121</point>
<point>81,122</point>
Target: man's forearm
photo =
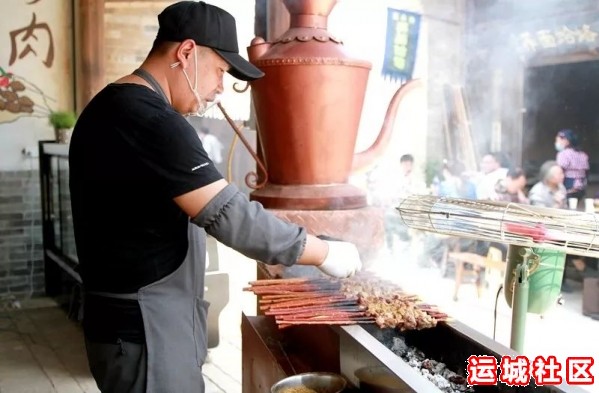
<point>256,233</point>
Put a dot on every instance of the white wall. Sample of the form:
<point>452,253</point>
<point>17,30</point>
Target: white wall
<point>419,125</point>
<point>49,86</point>
<point>362,25</point>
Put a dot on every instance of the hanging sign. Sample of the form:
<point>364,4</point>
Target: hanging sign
<point>567,35</point>
<point>401,43</point>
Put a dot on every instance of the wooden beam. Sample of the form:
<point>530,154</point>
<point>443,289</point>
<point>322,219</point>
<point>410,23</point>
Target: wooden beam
<point>90,49</point>
<point>260,15</point>
<point>277,19</point>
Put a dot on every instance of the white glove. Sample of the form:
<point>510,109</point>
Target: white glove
<point>343,260</point>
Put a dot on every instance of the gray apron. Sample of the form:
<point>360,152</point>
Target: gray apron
<point>174,315</point>
<point>175,319</point>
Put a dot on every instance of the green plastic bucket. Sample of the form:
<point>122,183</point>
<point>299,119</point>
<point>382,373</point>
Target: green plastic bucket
<point>544,277</point>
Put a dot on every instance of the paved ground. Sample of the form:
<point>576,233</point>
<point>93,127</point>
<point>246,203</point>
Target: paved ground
<point>41,351</point>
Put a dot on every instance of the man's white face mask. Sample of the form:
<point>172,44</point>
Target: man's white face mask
<point>203,105</point>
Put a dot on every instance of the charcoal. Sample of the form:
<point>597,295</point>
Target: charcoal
<point>414,363</point>
<point>437,372</point>
<point>427,364</point>
<point>440,382</point>
<point>457,379</point>
<point>399,347</point>
<point>438,367</point>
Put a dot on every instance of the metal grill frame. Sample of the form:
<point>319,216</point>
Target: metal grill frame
<point>568,231</point>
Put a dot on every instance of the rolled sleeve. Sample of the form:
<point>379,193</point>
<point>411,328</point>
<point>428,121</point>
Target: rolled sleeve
<point>250,229</point>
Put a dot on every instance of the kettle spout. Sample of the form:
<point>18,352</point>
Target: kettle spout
<point>364,159</point>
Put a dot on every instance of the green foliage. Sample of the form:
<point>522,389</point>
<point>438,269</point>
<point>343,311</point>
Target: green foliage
<point>62,119</point>
<point>431,170</point>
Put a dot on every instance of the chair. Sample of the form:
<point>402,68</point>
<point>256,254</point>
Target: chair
<point>484,268</point>
<point>494,268</point>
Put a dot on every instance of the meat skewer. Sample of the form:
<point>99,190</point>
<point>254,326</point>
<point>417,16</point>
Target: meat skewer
<point>291,282</point>
<point>292,289</point>
<point>312,301</point>
<point>363,299</point>
<point>314,308</point>
<point>318,308</point>
<point>288,296</point>
<point>326,317</point>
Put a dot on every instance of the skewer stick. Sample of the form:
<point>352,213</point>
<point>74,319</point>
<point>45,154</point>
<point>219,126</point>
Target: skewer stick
<point>321,310</point>
<point>265,299</point>
<point>286,324</point>
<point>311,302</point>
<point>296,288</point>
<point>315,310</point>
<point>282,281</point>
<point>332,316</point>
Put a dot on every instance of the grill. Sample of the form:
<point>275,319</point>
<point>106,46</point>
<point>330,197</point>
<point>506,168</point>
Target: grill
<point>271,354</point>
<point>431,359</point>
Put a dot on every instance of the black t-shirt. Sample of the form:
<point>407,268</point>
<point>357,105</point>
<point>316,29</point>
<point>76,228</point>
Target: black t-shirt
<point>130,155</point>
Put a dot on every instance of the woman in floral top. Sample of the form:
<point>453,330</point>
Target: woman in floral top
<point>574,162</point>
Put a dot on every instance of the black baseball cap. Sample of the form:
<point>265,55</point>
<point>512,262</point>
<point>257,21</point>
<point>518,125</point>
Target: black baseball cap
<point>208,26</point>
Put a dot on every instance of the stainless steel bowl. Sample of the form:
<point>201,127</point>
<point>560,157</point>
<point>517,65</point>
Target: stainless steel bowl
<point>380,379</point>
<point>319,382</point>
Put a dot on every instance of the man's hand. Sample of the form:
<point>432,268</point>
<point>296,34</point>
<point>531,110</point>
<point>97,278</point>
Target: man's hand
<point>342,260</point>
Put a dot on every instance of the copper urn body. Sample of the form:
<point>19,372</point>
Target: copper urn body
<point>308,108</point>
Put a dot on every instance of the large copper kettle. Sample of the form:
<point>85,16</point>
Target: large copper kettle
<point>308,107</point>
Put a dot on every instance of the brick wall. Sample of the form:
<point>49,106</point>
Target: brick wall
<point>21,262</point>
<point>130,28</point>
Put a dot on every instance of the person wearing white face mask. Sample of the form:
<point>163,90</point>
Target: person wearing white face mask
<point>203,105</point>
<point>144,193</point>
<point>574,162</point>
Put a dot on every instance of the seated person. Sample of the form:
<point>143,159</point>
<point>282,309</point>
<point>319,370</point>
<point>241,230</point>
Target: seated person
<point>511,188</point>
<point>550,190</point>
<point>491,171</point>
<point>389,183</point>
<point>453,182</point>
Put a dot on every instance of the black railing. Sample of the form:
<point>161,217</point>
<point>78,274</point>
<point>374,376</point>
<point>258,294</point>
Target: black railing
<point>60,257</point>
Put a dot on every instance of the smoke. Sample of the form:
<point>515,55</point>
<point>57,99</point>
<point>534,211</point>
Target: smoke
<point>520,83</point>
<point>514,61</point>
